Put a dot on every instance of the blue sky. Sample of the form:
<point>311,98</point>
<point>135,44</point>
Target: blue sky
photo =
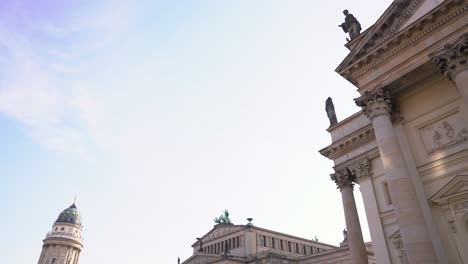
<point>161,114</point>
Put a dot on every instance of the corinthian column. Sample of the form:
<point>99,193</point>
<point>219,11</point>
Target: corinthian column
<point>413,230</point>
<point>344,180</point>
<point>452,61</point>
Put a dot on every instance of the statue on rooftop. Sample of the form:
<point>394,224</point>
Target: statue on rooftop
<point>223,219</point>
<point>345,235</point>
<point>178,260</point>
<point>330,108</point>
<point>351,25</point>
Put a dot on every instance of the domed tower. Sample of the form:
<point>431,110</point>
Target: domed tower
<point>63,243</point>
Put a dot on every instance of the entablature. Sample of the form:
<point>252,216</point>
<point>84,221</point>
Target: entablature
<point>400,52</point>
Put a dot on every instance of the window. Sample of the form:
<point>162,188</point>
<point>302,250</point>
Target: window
<point>388,197</point>
<point>305,249</point>
<point>264,241</point>
<point>63,228</point>
<point>297,248</point>
<point>237,242</point>
<point>289,246</point>
<point>281,244</point>
<point>273,242</point>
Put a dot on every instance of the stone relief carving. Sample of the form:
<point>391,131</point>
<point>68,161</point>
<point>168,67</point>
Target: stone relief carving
<point>376,102</point>
<point>221,231</point>
<point>444,133</point>
<point>361,169</point>
<point>343,178</point>
<point>460,207</point>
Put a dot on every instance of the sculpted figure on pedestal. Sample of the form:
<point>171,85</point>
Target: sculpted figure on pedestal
<point>330,108</point>
<point>351,25</point>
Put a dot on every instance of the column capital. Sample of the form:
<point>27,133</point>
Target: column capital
<point>375,103</point>
<point>361,170</point>
<point>343,178</point>
<point>452,58</point>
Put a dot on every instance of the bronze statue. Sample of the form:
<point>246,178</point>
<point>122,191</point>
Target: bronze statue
<point>223,219</point>
<point>345,235</point>
<point>330,108</point>
<point>351,25</point>
<point>178,260</point>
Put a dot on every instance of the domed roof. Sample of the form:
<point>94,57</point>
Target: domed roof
<point>71,215</point>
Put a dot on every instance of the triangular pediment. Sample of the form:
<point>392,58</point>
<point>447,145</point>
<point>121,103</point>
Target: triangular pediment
<point>220,230</point>
<point>397,15</point>
<point>455,187</point>
<point>425,7</point>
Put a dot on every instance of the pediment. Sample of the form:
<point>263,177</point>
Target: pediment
<point>220,230</point>
<point>424,8</point>
<point>456,187</point>
<point>397,16</point>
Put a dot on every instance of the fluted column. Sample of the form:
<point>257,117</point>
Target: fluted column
<point>413,230</point>
<point>452,61</point>
<point>344,180</point>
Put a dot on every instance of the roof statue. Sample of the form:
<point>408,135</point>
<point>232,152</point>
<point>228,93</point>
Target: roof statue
<point>330,108</point>
<point>223,219</point>
<point>351,25</point>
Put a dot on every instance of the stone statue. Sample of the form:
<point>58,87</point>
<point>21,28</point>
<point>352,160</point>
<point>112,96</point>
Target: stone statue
<point>223,219</point>
<point>351,25</point>
<point>345,235</point>
<point>178,260</point>
<point>330,108</point>
<point>201,245</point>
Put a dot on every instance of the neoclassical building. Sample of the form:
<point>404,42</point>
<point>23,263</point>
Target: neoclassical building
<point>64,242</point>
<point>227,243</point>
<point>407,149</point>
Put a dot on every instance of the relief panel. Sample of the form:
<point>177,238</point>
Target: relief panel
<point>444,133</point>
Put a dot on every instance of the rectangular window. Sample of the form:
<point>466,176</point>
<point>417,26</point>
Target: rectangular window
<point>297,248</point>
<point>388,197</point>
<point>264,241</point>
<point>281,244</point>
<point>237,242</point>
<point>289,246</point>
<point>305,249</point>
<point>272,242</point>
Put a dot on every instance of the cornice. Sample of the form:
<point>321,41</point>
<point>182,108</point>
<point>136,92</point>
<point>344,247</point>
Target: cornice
<point>393,44</point>
<point>349,143</point>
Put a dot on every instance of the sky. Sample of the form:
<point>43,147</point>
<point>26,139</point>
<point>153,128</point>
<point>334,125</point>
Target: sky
<point>159,115</point>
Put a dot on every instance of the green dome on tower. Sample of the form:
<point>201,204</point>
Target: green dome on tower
<point>71,215</point>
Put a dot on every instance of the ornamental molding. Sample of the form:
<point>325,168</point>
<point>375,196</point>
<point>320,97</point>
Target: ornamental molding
<point>378,102</point>
<point>362,169</point>
<point>219,231</point>
<point>343,178</point>
<point>452,58</point>
<point>343,146</point>
<point>404,39</point>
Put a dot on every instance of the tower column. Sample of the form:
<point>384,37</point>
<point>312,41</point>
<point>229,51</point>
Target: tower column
<point>452,61</point>
<point>413,230</point>
<point>344,180</point>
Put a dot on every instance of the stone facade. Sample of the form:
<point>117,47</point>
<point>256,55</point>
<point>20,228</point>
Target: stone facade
<point>408,147</point>
<point>64,242</point>
<point>228,243</point>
